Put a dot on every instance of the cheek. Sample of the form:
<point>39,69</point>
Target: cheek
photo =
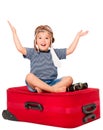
<point>38,41</point>
<point>49,44</point>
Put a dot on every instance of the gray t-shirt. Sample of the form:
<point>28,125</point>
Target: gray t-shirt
<point>41,63</point>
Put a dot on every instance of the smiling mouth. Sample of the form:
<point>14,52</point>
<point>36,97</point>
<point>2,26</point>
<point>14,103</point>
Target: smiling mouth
<point>43,45</point>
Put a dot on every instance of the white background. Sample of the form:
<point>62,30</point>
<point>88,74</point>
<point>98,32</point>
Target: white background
<point>66,18</point>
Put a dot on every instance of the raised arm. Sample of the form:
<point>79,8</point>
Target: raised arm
<point>17,42</point>
<point>73,45</point>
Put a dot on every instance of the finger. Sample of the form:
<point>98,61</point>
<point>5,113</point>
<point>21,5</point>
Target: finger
<point>85,32</point>
<point>9,24</point>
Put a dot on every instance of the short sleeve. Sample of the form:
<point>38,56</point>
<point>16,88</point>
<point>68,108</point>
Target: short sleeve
<point>61,53</point>
<point>30,53</point>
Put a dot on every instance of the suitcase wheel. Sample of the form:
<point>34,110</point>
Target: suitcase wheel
<point>7,115</point>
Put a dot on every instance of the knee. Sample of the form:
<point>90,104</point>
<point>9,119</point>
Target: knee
<point>69,79</point>
<point>28,77</point>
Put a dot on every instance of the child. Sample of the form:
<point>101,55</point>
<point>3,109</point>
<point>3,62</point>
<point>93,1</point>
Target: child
<point>44,60</point>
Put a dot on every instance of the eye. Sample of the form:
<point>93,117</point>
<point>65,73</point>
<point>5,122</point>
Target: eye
<point>46,38</point>
<point>40,38</point>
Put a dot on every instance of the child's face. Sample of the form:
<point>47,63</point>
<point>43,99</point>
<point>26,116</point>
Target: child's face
<point>43,40</point>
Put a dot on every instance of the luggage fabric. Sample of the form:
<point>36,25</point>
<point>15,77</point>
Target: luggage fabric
<point>64,109</point>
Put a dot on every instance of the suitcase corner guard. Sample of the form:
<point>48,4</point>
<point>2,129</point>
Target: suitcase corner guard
<point>7,115</point>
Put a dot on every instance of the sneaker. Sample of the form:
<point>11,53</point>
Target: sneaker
<point>77,86</point>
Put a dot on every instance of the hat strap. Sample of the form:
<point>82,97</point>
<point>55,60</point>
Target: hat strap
<point>55,58</point>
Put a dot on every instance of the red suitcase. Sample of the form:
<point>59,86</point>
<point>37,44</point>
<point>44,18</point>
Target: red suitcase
<point>68,110</point>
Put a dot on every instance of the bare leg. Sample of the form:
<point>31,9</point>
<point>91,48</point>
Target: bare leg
<point>38,84</point>
<point>65,82</point>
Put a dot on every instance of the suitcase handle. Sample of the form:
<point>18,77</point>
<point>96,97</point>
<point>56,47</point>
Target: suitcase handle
<point>34,106</point>
<point>89,108</point>
<point>90,116</point>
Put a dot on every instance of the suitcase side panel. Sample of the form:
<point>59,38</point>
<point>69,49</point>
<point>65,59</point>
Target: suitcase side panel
<point>63,110</point>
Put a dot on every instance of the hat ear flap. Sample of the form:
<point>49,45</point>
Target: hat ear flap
<point>36,46</point>
<point>53,39</point>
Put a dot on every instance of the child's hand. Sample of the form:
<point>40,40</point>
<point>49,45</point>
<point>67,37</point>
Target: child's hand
<point>12,27</point>
<point>81,33</point>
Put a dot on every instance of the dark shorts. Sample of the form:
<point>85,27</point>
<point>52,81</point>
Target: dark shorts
<point>49,82</point>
